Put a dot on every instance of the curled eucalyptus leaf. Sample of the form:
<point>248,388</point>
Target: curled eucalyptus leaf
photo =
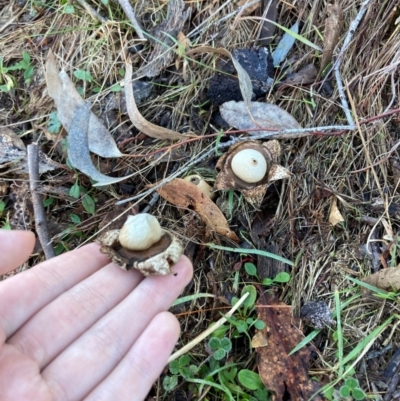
<point>78,147</point>
<point>67,99</point>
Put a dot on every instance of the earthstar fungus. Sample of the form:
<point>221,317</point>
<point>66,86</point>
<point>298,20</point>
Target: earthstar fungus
<point>249,167</point>
<point>143,245</point>
<point>202,184</point>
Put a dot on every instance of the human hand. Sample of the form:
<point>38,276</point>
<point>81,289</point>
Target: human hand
<point>78,327</point>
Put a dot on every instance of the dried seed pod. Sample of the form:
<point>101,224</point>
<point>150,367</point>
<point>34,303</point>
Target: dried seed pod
<point>163,248</point>
<point>201,184</point>
<point>249,167</point>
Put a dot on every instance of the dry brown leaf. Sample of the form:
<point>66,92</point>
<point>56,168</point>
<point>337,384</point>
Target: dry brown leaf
<point>184,194</point>
<point>305,75</point>
<point>335,217</point>
<point>385,279</point>
<point>209,49</point>
<point>138,120</point>
<point>67,99</point>
<point>333,27</point>
<point>263,115</point>
<point>286,376</point>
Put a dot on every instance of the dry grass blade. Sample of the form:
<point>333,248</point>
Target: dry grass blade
<point>138,120</point>
<point>209,331</point>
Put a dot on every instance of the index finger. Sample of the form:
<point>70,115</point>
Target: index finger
<point>23,295</point>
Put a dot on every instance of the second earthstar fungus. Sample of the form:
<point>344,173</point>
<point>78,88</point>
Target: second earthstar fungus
<point>249,167</point>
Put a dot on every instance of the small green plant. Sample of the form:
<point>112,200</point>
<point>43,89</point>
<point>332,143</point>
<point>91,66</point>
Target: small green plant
<point>48,201</point>
<point>2,207</point>
<point>7,81</point>
<point>53,124</point>
<point>178,367</point>
<point>280,278</point>
<point>352,388</point>
<point>77,191</point>
<point>83,75</point>
<point>230,384</point>
<point>249,381</point>
<point>245,319</point>
<point>75,218</point>
<point>5,225</point>
<point>69,9</point>
<point>220,347</point>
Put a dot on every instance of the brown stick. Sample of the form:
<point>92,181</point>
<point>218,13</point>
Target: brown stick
<point>38,208</point>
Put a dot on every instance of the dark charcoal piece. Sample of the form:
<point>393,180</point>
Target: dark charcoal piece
<point>317,315</point>
<point>258,64</point>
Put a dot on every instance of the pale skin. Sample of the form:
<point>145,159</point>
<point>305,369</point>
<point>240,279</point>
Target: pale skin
<point>78,327</point>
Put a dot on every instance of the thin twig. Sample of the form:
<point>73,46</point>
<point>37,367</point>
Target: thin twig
<point>336,67</point>
<point>38,208</point>
<point>151,203</point>
<point>128,10</point>
<point>282,134</point>
<point>93,13</point>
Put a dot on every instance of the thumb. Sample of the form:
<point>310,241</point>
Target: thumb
<point>15,248</point>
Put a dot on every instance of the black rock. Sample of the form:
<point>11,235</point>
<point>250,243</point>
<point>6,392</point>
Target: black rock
<point>257,63</point>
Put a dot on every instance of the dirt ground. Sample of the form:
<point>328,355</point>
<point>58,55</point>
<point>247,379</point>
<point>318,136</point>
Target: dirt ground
<point>336,218</point>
